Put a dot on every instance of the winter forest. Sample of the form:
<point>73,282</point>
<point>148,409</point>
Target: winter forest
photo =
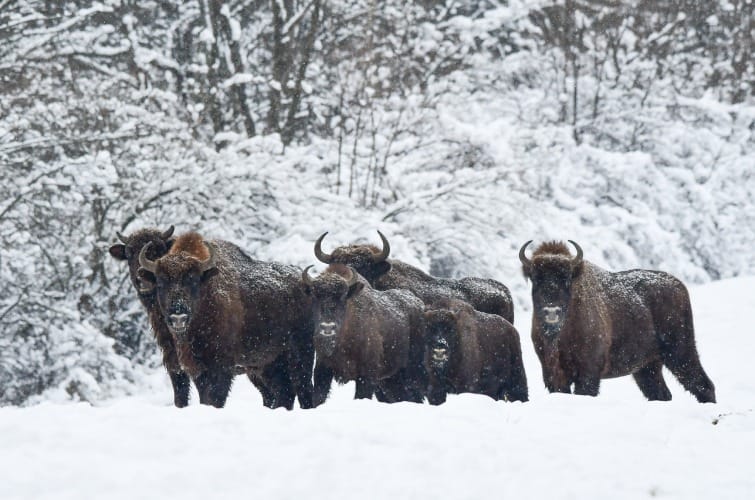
<point>459,128</point>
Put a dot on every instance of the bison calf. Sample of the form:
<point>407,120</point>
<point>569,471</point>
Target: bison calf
<point>365,335</point>
<point>589,324</point>
<point>470,351</point>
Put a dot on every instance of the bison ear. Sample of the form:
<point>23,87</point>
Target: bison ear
<point>382,268</point>
<point>355,289</point>
<point>577,270</point>
<point>209,273</point>
<point>118,251</point>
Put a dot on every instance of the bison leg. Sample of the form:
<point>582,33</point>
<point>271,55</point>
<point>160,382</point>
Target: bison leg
<point>275,385</point>
<point>650,381</point>
<point>515,387</point>
<point>436,395</point>
<point>323,378</point>
<point>691,375</point>
<point>300,360</point>
<point>399,387</point>
<point>365,389</point>
<point>213,387</point>
<point>181,385</point>
<point>587,384</point>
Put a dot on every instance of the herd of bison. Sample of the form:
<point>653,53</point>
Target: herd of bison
<point>399,333</point>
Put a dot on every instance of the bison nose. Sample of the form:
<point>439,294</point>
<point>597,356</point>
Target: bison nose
<point>327,329</point>
<point>552,314</point>
<point>178,321</point>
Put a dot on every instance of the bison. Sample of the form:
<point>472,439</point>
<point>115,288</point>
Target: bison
<point>589,324</point>
<point>485,295</point>
<point>228,314</point>
<point>128,250</point>
<point>471,351</point>
<point>370,336</point>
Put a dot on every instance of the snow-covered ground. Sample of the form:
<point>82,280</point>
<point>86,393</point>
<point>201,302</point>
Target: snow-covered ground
<point>556,446</point>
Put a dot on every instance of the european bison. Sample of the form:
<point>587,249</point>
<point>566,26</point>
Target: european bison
<point>485,295</point>
<point>160,242</point>
<point>228,313</point>
<point>366,335</point>
<point>589,324</point>
<point>471,351</point>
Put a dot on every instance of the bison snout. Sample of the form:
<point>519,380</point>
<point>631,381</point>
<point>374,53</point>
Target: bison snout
<point>552,314</point>
<point>327,329</point>
<point>179,322</point>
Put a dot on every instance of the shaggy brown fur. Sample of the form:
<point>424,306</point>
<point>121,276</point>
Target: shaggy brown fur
<point>128,251</point>
<point>470,351</point>
<point>589,324</point>
<point>486,295</point>
<point>366,335</point>
<point>236,315</point>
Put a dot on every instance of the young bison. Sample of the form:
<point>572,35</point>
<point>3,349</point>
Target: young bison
<point>589,324</point>
<point>228,313</point>
<point>366,335</point>
<point>471,351</point>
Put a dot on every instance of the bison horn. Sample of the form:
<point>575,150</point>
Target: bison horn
<point>322,256</point>
<point>527,263</point>
<point>383,255</point>
<point>210,263</point>
<point>144,262</point>
<point>352,279</point>
<point>578,259</point>
<point>167,234</point>
<point>121,237</point>
<point>305,276</point>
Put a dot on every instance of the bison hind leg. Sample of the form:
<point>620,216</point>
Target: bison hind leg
<point>650,381</point>
<point>691,375</point>
<point>213,387</point>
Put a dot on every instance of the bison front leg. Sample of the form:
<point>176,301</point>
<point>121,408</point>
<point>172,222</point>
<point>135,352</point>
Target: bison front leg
<point>587,384</point>
<point>323,378</point>
<point>300,359</point>
<point>213,387</point>
<point>181,385</point>
<point>365,388</point>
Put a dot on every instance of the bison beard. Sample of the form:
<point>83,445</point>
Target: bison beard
<point>485,295</point>
<point>229,314</point>
<point>589,324</point>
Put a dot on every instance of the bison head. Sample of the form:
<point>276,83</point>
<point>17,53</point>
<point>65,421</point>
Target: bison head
<point>552,271</point>
<point>178,279</point>
<point>441,338</point>
<point>129,249</point>
<point>330,292</point>
<point>368,260</point>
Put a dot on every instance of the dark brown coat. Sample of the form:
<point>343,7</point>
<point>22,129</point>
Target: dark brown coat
<point>589,324</point>
<point>484,294</point>
<point>128,251</point>
<point>229,313</point>
<point>372,337</point>
<point>471,351</point>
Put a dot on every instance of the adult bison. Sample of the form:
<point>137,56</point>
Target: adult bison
<point>485,295</point>
<point>228,313</point>
<point>471,351</point>
<point>128,250</point>
<point>365,335</point>
<point>589,324</point>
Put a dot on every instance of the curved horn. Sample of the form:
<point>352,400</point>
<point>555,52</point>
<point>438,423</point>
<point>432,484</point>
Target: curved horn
<point>121,237</point>
<point>305,276</point>
<point>578,259</point>
<point>167,234</point>
<point>322,256</point>
<point>523,257</point>
<point>144,262</point>
<point>352,279</point>
<point>210,263</point>
<point>383,255</point>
